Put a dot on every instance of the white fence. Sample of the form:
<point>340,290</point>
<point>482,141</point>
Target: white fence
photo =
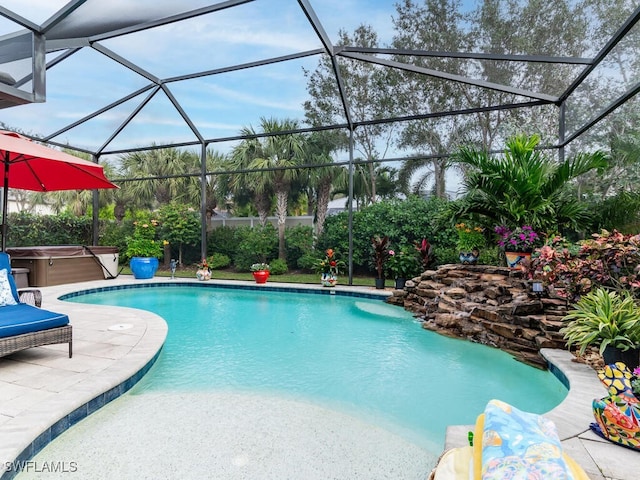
<point>216,222</point>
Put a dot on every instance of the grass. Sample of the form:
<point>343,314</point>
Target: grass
<point>290,277</point>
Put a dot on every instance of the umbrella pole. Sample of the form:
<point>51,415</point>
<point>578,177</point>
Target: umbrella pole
<point>5,200</point>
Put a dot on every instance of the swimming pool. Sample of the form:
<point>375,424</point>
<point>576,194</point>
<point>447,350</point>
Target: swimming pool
<point>356,355</point>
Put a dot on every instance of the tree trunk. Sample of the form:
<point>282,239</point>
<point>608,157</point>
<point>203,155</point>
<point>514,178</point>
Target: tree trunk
<point>324,192</point>
<point>281,212</point>
<point>262,204</point>
<point>439,179</point>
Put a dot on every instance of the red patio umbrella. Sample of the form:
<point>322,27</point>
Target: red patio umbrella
<point>31,166</point>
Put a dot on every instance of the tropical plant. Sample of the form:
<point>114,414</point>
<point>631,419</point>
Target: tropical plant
<point>319,146</point>
<point>608,259</point>
<point>380,247</point>
<point>425,253</point>
<point>470,237</point>
<point>274,159</point>
<point>603,318</point>
<point>525,187</point>
<point>330,264</point>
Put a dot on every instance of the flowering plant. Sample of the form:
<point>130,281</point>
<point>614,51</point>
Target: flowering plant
<point>405,263</point>
<point>329,264</point>
<point>521,239</point>
<point>259,267</point>
<point>469,237</point>
<point>143,242</point>
<point>204,265</point>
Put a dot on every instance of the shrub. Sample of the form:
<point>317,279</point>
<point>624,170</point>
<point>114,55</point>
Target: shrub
<point>64,229</point>
<point>217,261</point>
<point>298,241</point>
<point>222,240</point>
<point>278,267</point>
<point>257,244</point>
<point>308,260</point>
<point>403,221</point>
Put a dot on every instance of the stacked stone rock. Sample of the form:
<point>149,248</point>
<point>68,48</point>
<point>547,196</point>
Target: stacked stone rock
<point>486,304</point>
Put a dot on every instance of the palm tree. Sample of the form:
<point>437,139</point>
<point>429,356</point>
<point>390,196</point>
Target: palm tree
<point>525,187</point>
<point>272,160</point>
<point>160,176</point>
<point>435,144</point>
<point>245,183</point>
<point>319,146</point>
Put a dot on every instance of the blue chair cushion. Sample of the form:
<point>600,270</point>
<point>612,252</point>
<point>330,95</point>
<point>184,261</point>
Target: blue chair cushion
<point>24,318</point>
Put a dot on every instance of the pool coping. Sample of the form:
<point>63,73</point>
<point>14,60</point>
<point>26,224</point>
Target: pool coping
<point>40,423</point>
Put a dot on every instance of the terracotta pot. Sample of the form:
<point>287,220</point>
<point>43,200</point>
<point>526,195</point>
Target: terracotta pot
<point>261,276</point>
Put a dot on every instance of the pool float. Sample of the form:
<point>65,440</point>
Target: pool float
<point>509,443</point>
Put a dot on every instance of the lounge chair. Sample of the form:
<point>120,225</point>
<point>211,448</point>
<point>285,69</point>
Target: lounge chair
<point>23,324</point>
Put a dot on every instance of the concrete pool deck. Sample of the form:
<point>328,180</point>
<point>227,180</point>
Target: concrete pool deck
<point>43,392</point>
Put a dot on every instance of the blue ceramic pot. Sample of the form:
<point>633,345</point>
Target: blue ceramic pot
<point>469,258</point>
<point>143,267</point>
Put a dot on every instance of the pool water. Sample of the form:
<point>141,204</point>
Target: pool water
<point>357,355</point>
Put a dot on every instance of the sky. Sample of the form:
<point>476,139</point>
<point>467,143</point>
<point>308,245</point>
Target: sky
<point>220,105</point>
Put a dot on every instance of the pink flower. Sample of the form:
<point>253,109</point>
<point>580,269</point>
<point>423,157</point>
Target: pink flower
<point>636,371</point>
<point>391,252</point>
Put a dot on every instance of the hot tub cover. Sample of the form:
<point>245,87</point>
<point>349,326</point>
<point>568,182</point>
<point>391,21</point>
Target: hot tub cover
<point>47,251</point>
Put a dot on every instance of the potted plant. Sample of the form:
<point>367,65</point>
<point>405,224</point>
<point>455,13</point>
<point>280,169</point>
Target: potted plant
<point>517,244</point>
<point>143,249</point>
<point>380,247</point>
<point>260,271</point>
<point>204,270</point>
<point>470,241</point>
<point>403,264</point>
<point>609,320</point>
<point>329,267</point>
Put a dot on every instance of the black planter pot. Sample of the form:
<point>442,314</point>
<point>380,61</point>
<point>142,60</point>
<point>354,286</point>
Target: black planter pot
<point>380,283</point>
<point>400,283</point>
<point>631,357</point>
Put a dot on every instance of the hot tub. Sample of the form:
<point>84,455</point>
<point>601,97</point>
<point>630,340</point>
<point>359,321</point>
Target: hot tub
<point>57,265</point>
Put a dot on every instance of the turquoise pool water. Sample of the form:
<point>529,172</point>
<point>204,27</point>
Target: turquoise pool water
<point>357,355</point>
